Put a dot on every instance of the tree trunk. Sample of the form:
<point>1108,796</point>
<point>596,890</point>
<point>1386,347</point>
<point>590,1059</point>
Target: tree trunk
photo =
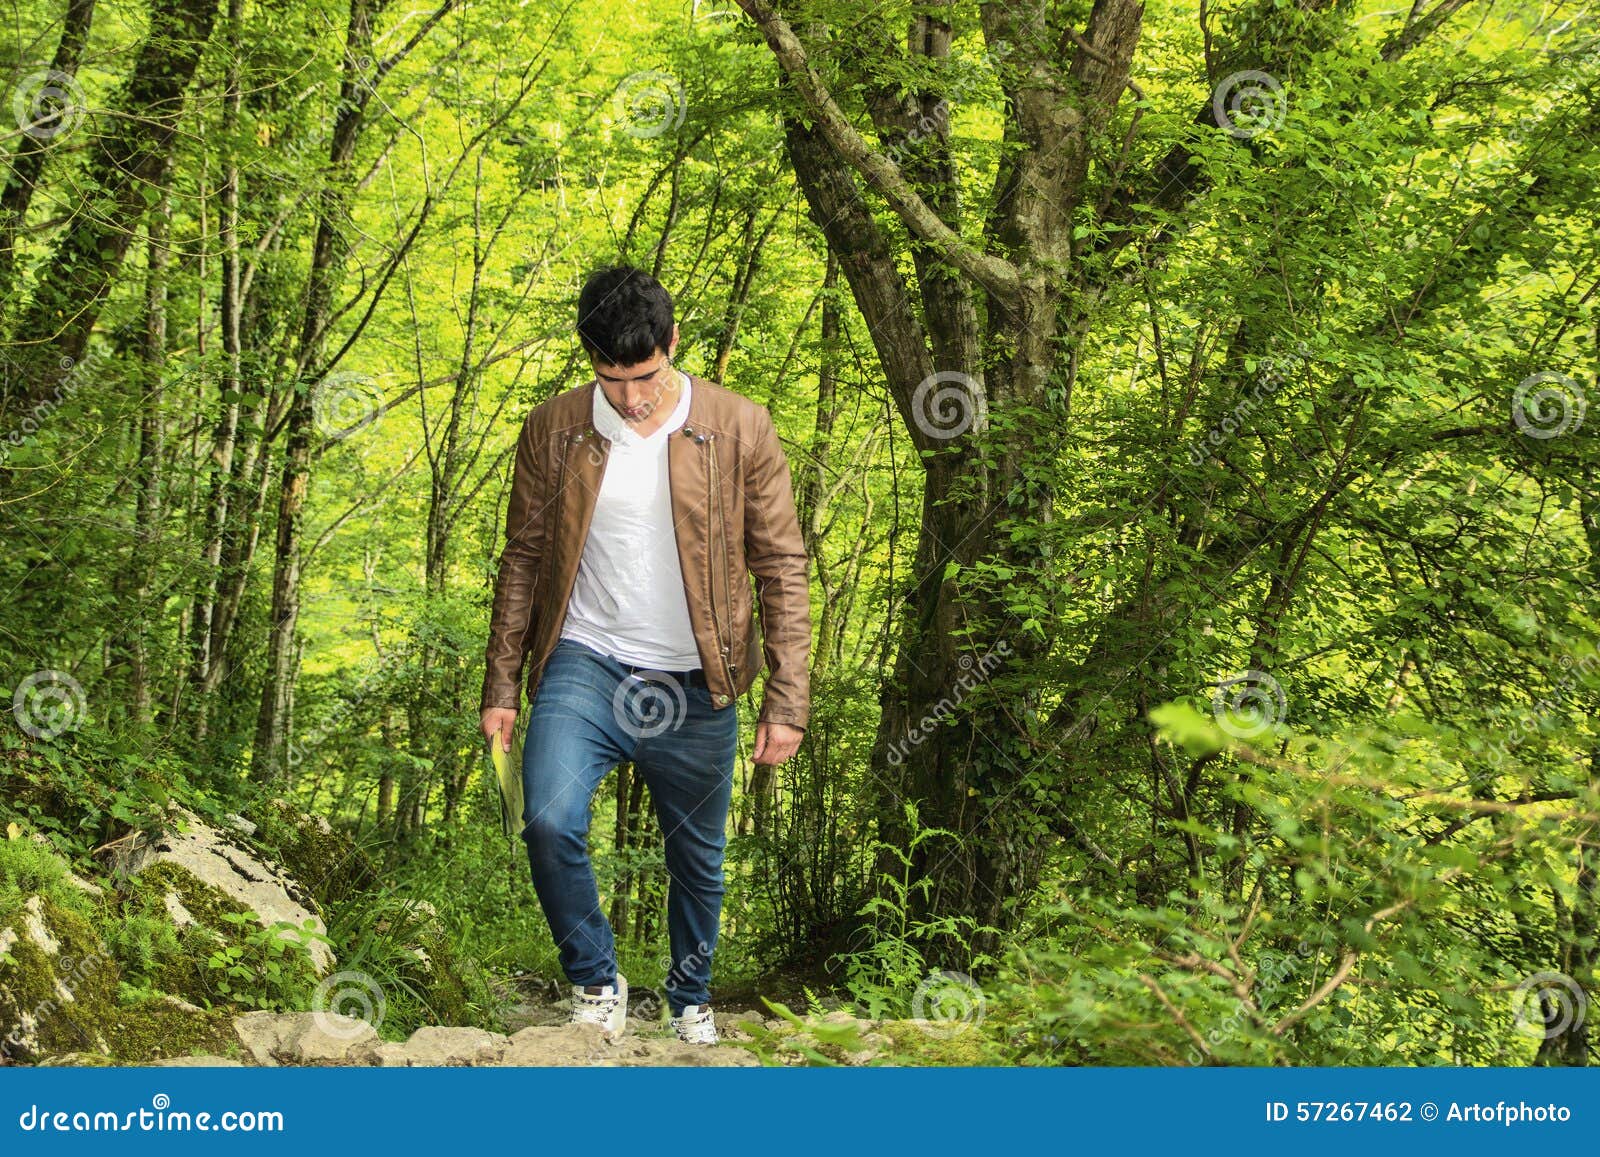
<point>962,775</point>
<point>152,450</point>
<point>124,162</point>
<point>629,794</point>
<point>327,258</point>
<point>221,470</point>
<point>27,163</point>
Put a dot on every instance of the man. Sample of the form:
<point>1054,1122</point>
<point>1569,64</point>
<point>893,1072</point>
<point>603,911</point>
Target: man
<point>640,503</point>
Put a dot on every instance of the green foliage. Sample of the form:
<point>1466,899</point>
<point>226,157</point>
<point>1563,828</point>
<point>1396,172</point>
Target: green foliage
<point>92,783</point>
<point>261,967</point>
<point>28,867</point>
<point>1365,937</point>
<point>886,973</point>
<point>1280,444</point>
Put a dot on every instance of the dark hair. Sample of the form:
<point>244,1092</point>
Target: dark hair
<point>624,316</point>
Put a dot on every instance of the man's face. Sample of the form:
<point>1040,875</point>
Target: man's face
<point>635,391</point>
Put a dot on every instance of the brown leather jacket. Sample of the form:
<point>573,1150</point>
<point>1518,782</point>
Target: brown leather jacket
<point>733,514</point>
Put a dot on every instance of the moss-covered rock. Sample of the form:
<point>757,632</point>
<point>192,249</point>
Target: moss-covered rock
<point>161,1027</point>
<point>29,863</point>
<point>428,966</point>
<point>207,947</point>
<point>323,858</point>
<point>913,1044</point>
<point>79,1061</point>
<point>58,982</point>
<point>224,861</point>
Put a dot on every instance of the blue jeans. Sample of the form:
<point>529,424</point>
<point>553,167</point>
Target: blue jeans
<point>589,713</point>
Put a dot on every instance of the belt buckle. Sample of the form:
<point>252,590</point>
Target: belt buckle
<point>690,678</point>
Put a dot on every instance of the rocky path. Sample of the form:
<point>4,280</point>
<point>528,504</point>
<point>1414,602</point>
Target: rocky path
<point>324,1038</point>
<point>540,1036</point>
<point>59,981</point>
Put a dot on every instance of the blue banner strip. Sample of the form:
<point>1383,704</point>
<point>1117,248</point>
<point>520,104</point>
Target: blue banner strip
<point>790,1110</point>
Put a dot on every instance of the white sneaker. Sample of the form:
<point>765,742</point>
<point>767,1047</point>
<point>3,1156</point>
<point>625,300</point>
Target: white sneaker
<point>695,1025</point>
<point>608,1008</point>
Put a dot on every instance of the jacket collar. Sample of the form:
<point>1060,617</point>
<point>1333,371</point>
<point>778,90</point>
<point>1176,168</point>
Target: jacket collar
<point>611,425</point>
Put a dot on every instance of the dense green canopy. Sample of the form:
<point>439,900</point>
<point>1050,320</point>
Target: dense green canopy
<point>1188,411</point>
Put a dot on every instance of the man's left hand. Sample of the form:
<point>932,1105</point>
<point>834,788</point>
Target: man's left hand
<point>776,742</point>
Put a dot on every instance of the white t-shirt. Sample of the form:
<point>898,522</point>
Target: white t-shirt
<point>628,600</point>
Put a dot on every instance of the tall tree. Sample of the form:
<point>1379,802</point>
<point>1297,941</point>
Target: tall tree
<point>123,178</point>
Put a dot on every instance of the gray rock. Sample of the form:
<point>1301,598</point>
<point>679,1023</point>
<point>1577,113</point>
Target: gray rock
<point>215,858</point>
<point>583,1045</point>
<point>728,1023</point>
<point>389,1055</point>
<point>306,1038</point>
<point>260,1033</point>
<point>440,1045</point>
<point>877,1044</point>
<point>196,1062</point>
<point>329,1038</point>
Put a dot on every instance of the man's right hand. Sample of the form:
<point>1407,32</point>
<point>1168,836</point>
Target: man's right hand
<point>501,720</point>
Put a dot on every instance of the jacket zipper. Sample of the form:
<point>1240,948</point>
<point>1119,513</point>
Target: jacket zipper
<point>713,481</point>
<point>567,442</point>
